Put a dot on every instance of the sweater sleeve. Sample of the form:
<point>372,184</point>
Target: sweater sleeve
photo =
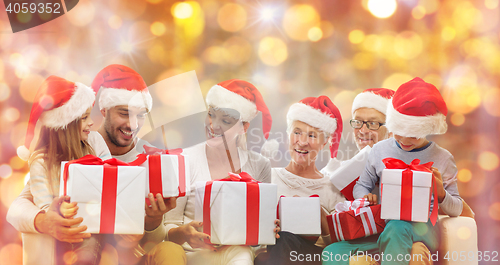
<point>368,178</point>
<point>22,212</point>
<point>452,203</point>
<point>39,185</point>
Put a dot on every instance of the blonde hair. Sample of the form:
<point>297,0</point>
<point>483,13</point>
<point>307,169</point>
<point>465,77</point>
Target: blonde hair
<point>57,145</point>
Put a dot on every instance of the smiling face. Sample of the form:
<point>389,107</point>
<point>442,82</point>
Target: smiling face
<point>410,143</point>
<point>85,124</point>
<point>365,136</point>
<point>220,121</point>
<point>122,123</point>
<point>305,143</point>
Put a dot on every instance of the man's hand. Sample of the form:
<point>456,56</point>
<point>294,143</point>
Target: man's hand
<point>372,198</point>
<point>53,224</point>
<point>189,233</point>
<point>154,213</point>
<point>439,183</point>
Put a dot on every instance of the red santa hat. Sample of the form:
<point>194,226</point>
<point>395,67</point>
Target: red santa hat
<point>243,97</point>
<point>319,113</point>
<point>417,110</point>
<point>120,85</point>
<point>57,103</point>
<point>373,98</point>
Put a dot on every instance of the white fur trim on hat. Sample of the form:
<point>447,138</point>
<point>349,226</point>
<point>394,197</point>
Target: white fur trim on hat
<point>111,97</point>
<point>220,97</point>
<point>313,117</point>
<point>414,126</point>
<point>370,100</point>
<point>82,99</point>
<point>270,148</point>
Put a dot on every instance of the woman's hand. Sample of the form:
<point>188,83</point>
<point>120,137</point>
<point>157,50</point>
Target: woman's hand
<point>158,207</point>
<point>189,233</point>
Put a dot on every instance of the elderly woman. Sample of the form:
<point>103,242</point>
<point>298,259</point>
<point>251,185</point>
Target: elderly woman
<point>312,124</point>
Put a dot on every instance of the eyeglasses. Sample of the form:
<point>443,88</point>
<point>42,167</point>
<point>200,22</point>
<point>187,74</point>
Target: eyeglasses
<point>371,125</point>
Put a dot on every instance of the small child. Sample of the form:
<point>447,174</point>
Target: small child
<point>63,108</point>
<point>416,110</point>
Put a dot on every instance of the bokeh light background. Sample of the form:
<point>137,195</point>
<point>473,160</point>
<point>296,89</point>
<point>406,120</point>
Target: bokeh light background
<point>289,50</point>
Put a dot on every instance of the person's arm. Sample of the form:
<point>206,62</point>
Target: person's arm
<point>265,173</point>
<point>22,212</point>
<point>368,178</point>
<point>448,196</point>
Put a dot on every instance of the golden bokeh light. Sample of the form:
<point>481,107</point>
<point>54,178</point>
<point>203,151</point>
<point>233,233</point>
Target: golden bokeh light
<point>155,1</point>
<point>10,188</point>
<point>457,119</point>
<point>491,4</point>
<point>11,254</point>
<point>17,163</point>
<point>272,51</point>
<point>315,34</point>
<point>214,54</point>
<point>463,233</point>
<point>395,80</point>
<point>431,6</point>
<point>29,87</point>
<point>364,60</point>
<point>464,175</point>
<point>327,29</point>
<point>356,36</point>
<point>408,45</point>
<point>158,28</point>
<point>491,101</point>
<point>488,161</point>
<point>448,33</point>
<point>465,15</point>
<point>232,17</point>
<point>11,114</point>
<point>298,20</point>
<point>5,171</point>
<point>115,22</point>
<point>494,211</point>
<point>434,79</point>
<point>237,50</point>
<point>382,8</point>
<point>109,255</point>
<point>82,14</point>
<point>464,95</point>
<point>24,17</point>
<point>418,12</point>
<point>127,9</point>
<point>4,92</point>
<point>182,10</point>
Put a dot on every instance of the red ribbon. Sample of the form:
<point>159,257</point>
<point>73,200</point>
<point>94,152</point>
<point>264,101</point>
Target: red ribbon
<point>109,186</point>
<point>253,205</point>
<point>407,185</point>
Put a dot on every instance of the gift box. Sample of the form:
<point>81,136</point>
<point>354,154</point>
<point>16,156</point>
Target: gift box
<point>354,219</point>
<point>110,194</point>
<point>167,172</point>
<point>345,177</point>
<point>237,211</point>
<point>292,211</point>
<point>406,190</point>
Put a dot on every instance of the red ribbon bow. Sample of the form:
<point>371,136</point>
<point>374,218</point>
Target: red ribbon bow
<point>407,185</point>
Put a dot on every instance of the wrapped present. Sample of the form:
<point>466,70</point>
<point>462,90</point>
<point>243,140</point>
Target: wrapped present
<point>354,219</point>
<point>237,210</point>
<point>292,210</point>
<point>167,171</point>
<point>406,191</point>
<point>110,194</point>
<point>345,177</point>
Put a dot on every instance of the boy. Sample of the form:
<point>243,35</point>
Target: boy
<point>417,110</point>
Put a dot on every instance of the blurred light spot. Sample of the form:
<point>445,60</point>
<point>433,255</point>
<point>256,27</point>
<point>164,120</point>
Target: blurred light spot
<point>237,50</point>
<point>11,254</point>
<point>155,1</point>
<point>315,34</point>
<point>464,175</point>
<point>156,53</point>
<point>298,20</point>
<point>10,188</point>
<point>488,161</point>
<point>272,51</point>
<point>126,47</point>
<point>11,114</point>
<point>372,43</point>
<point>474,187</point>
<point>364,60</point>
<point>26,178</point>
<point>17,163</point>
<point>465,15</point>
<point>63,42</point>
<point>70,257</point>
<point>408,45</point>
<point>182,10</point>
<point>16,59</point>
<point>267,14</point>
<point>382,8</point>
<point>463,233</point>
<point>115,22</point>
<point>434,79</point>
<point>214,54</point>
<point>5,171</point>
<point>491,101</point>
<point>421,228</point>
<point>464,95</point>
<point>418,12</point>
<point>232,17</point>
<point>448,33</point>
<point>395,80</point>
<point>82,14</point>
<point>457,119</point>
<point>4,91</point>
<point>494,211</point>
<point>491,4</point>
<point>24,17</point>
<point>356,36</point>
<point>29,87</point>
<point>109,255</point>
<point>430,6</point>
<point>327,29</point>
<point>364,4</point>
<point>158,28</point>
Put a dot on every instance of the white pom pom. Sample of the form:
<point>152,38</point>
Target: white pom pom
<point>270,148</point>
<point>23,153</point>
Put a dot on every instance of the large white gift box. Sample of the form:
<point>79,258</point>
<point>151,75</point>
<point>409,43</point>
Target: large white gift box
<point>237,213</point>
<point>110,197</point>
<point>345,177</point>
<point>406,194</point>
<point>300,215</point>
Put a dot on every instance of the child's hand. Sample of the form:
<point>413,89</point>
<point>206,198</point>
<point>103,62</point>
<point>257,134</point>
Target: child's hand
<point>439,183</point>
<point>372,198</point>
<point>68,209</point>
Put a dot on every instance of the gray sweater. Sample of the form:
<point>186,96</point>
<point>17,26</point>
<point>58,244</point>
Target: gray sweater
<point>443,161</point>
